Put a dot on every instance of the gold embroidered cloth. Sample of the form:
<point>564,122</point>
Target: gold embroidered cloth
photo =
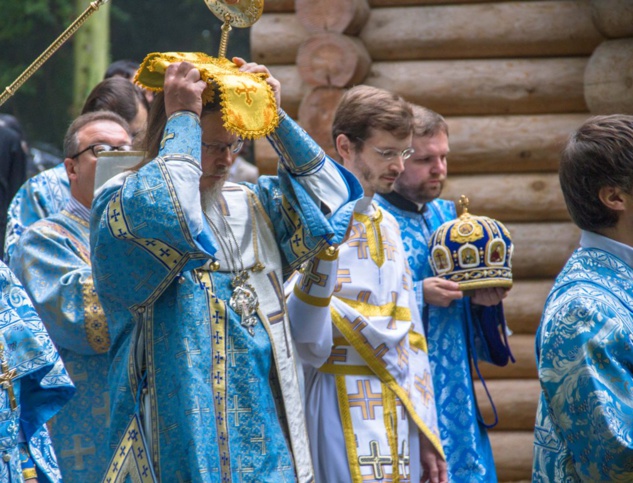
<point>248,103</point>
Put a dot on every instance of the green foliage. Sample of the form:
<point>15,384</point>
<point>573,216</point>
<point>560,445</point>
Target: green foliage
<point>138,27</point>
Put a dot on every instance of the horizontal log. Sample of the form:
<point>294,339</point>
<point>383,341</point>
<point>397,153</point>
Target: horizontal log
<point>613,18</point>
<point>526,29</point>
<point>340,16</point>
<point>399,3</point>
<point>608,78</point>
<point>515,401</point>
<point>513,197</point>
<point>515,29</point>
<point>289,5</point>
<point>495,144</point>
<point>524,304</point>
<point>483,87</point>
<point>512,452</point>
<point>333,59</point>
<point>510,198</point>
<point>541,249</point>
<point>479,87</point>
<point>292,87</point>
<point>522,347</point>
<point>275,39</point>
<point>279,6</point>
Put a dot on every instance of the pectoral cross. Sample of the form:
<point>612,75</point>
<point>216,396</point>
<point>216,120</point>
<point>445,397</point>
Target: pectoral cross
<point>6,379</point>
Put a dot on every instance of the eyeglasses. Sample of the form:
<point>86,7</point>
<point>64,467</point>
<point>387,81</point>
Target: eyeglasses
<point>102,148</point>
<point>218,148</point>
<point>390,154</point>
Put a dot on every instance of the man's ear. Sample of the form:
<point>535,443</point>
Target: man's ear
<point>612,198</point>
<point>71,168</point>
<point>345,148</point>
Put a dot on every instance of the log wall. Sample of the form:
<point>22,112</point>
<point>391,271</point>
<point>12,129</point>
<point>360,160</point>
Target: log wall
<point>513,79</point>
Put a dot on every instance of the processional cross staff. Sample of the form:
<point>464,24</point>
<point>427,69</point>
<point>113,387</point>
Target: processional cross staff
<point>44,56</point>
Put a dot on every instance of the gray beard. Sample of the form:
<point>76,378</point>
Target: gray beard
<point>209,196</point>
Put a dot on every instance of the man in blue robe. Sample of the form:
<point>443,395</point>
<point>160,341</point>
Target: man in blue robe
<point>33,386</point>
<point>419,212</point>
<point>52,259</point>
<point>190,272</point>
<point>584,345</point>
<point>40,196</point>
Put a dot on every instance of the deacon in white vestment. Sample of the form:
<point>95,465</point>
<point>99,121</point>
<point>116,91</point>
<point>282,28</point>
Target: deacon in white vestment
<point>369,393</point>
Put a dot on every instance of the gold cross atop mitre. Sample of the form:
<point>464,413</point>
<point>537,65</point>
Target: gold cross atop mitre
<point>463,204</point>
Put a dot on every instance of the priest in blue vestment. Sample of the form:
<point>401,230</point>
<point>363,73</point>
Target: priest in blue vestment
<point>190,272</point>
<point>52,259</point>
<point>33,387</point>
<point>40,196</point>
<point>584,344</point>
<point>450,330</point>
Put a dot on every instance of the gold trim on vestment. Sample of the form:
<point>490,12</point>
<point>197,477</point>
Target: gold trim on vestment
<point>219,376</point>
<point>376,365</point>
<point>418,341</point>
<point>95,323</point>
<point>373,234</point>
<point>311,299</point>
<point>348,429</point>
<point>387,310</point>
<point>390,417</point>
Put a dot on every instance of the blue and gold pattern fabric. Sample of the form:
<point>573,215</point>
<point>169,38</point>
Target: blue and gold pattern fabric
<point>53,262</point>
<point>463,434</point>
<point>35,384</point>
<point>584,421</point>
<point>210,413</point>
<point>39,197</point>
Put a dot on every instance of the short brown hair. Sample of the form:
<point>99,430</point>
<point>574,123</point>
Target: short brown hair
<point>599,154</point>
<point>427,123</point>
<point>71,142</point>
<point>118,95</point>
<point>364,108</point>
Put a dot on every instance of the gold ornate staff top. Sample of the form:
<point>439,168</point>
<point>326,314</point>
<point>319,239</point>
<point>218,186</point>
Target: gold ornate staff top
<point>44,56</point>
<point>234,13</point>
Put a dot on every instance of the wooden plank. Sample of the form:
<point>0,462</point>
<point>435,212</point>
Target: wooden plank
<point>513,454</point>
<point>512,197</point>
<point>505,29</point>
<point>608,81</point>
<point>613,18</point>
<point>275,39</point>
<point>541,249</point>
<point>292,87</point>
<point>504,144</point>
<point>279,6</point>
<point>486,87</point>
<point>514,399</point>
<point>339,16</point>
<point>522,347</point>
<point>524,305</point>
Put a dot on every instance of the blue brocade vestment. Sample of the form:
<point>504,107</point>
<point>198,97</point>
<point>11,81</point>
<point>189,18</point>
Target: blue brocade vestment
<point>52,260</point>
<point>584,348</point>
<point>219,404</point>
<point>464,437</point>
<point>40,383</point>
<point>40,196</point>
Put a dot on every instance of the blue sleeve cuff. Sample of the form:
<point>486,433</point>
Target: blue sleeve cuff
<point>183,135</point>
<point>297,150</point>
